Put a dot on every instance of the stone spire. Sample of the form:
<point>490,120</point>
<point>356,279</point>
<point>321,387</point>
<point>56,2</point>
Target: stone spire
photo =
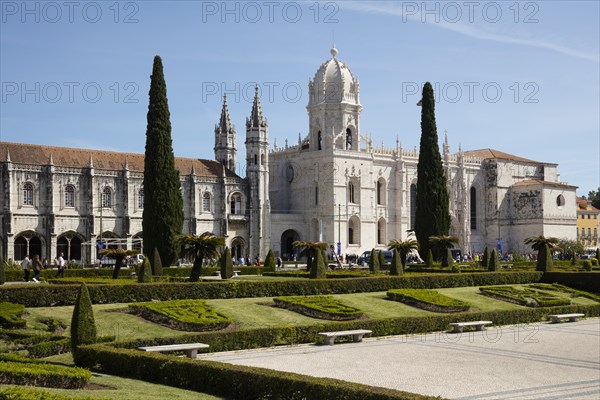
<point>256,116</point>
<point>225,122</point>
<point>225,150</point>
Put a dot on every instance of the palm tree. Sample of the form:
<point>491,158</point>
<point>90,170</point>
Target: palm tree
<point>199,248</point>
<point>443,243</point>
<point>119,255</point>
<point>544,246</point>
<point>404,247</point>
<point>310,250</point>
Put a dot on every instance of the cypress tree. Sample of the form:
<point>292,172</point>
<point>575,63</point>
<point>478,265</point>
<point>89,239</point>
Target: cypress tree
<point>156,264</point>
<point>226,264</point>
<point>163,203</point>
<point>432,215</point>
<point>83,326</point>
<point>598,254</point>
<point>381,258</point>
<point>145,272</point>
<point>429,259</point>
<point>318,269</point>
<point>447,260</point>
<point>396,268</point>
<point>485,261</point>
<point>493,261</point>
<point>374,262</point>
<point>270,261</point>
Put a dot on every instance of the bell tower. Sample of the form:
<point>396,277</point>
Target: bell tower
<point>225,139</point>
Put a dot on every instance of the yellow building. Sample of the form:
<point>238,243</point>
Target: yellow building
<point>588,223</point>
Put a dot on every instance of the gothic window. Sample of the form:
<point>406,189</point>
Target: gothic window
<point>206,202</point>
<point>380,191</point>
<point>413,205</point>
<point>140,198</point>
<point>69,196</point>
<point>354,230</point>
<point>473,209</point>
<point>351,192</point>
<point>316,195</point>
<point>28,194</point>
<point>319,140</point>
<point>348,139</point>
<point>106,198</point>
<point>256,159</point>
<point>236,204</point>
<point>560,200</point>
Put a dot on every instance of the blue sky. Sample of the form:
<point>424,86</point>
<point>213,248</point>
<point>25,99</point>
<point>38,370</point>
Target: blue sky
<point>520,77</point>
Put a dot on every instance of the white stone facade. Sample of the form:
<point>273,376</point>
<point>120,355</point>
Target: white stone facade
<point>333,185</point>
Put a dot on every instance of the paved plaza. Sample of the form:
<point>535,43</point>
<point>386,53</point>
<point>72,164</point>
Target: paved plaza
<point>538,361</point>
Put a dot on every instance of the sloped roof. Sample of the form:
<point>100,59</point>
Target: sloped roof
<point>496,154</point>
<point>531,182</point>
<point>35,154</point>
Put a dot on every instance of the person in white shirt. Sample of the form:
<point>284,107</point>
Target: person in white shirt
<point>61,266</point>
<point>25,265</point>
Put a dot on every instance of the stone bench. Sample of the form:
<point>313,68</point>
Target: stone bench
<point>190,349</point>
<point>479,325</point>
<point>357,335</point>
<point>236,273</point>
<point>559,317</point>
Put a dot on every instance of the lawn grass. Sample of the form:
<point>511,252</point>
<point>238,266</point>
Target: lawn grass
<point>113,387</point>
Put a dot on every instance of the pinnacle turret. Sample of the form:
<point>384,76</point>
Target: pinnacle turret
<point>256,116</point>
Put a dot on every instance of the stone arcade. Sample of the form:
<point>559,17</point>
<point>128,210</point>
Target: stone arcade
<point>333,185</point>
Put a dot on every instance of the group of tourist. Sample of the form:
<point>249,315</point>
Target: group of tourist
<point>37,265</point>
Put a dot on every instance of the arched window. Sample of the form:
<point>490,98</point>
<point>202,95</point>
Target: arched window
<point>28,194</point>
<point>141,198</point>
<point>380,192</point>
<point>473,209</point>
<point>413,205</point>
<point>69,196</point>
<point>351,197</point>
<point>354,230</point>
<point>262,159</point>
<point>106,198</point>
<point>206,202</point>
<point>319,139</point>
<point>348,139</point>
<point>316,195</point>
<point>236,204</point>
<point>256,159</point>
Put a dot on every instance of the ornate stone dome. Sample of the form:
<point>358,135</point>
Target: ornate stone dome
<point>334,83</point>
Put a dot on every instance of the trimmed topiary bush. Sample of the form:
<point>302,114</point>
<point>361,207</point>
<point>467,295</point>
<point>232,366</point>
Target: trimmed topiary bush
<point>485,260</point>
<point>318,269</point>
<point>594,262</point>
<point>587,265</point>
<point>270,261</point>
<point>145,272</point>
<point>544,261</point>
<point>430,300</point>
<point>396,267</point>
<point>184,315</point>
<point>157,269</point>
<point>429,259</point>
<point>10,315</point>
<point>226,264</point>
<point>324,307</point>
<point>374,262</point>
<point>381,258</point>
<point>493,261</point>
<point>83,326</point>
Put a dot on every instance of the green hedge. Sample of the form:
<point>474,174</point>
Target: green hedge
<point>53,295</point>
<point>428,299</point>
<point>185,315</point>
<point>565,289</point>
<point>233,381</point>
<point>25,393</point>
<point>525,297</point>
<point>47,375</point>
<point>588,281</point>
<point>10,315</point>
<point>323,307</point>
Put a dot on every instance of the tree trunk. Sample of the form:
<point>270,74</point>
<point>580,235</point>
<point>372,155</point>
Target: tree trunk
<point>117,269</point>
<point>196,269</point>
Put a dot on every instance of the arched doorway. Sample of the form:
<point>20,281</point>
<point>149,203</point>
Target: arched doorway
<point>238,248</point>
<point>70,245</point>
<point>27,244</point>
<point>287,238</point>
<point>20,248</point>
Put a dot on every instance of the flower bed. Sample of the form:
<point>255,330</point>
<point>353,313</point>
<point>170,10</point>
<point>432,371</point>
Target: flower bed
<point>525,297</point>
<point>429,300</point>
<point>323,307</point>
<point>184,315</point>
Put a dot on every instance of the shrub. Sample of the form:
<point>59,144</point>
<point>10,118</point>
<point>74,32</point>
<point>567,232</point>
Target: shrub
<point>430,300</point>
<point>186,315</point>
<point>429,259</point>
<point>318,269</point>
<point>324,307</point>
<point>396,268</point>
<point>381,258</point>
<point>157,269</point>
<point>42,374</point>
<point>10,315</point>
<point>145,272</point>
<point>525,297</point>
<point>566,289</point>
<point>374,262</point>
<point>50,347</point>
<point>594,262</point>
<point>493,261</point>
<point>587,265</point>
<point>83,326</point>
<point>26,393</point>
<point>270,261</point>
<point>485,261</point>
<point>544,261</point>
<point>226,264</point>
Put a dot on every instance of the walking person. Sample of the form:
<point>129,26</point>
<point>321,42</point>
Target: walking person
<point>60,262</point>
<point>25,264</point>
<point>37,268</point>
